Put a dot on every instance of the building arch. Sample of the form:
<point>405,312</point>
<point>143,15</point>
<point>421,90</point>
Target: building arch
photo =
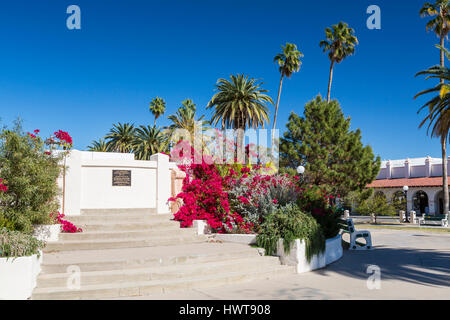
<point>421,202</point>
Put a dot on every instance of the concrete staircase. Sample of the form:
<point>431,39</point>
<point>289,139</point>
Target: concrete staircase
<point>136,252</point>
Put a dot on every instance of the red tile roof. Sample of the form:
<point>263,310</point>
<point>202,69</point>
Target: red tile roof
<point>412,182</point>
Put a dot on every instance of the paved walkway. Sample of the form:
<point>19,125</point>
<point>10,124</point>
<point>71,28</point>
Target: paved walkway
<point>413,264</point>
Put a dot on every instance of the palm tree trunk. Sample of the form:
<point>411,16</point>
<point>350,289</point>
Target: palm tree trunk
<point>330,81</point>
<point>272,142</point>
<point>154,122</point>
<point>444,146</point>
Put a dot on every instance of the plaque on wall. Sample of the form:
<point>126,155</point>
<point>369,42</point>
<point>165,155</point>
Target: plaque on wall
<point>121,178</point>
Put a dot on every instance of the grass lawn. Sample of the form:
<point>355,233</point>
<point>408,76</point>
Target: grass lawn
<point>397,226</point>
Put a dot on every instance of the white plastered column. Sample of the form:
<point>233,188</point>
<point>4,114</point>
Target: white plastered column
<point>163,182</point>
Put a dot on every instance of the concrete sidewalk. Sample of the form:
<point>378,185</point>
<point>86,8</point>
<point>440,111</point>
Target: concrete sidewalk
<point>413,264</point>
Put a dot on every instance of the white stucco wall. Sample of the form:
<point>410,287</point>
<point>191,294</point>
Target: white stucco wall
<point>89,182</point>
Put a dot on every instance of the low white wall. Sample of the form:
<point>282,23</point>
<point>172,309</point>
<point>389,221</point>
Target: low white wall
<point>297,255</point>
<point>18,277</point>
<point>237,238</point>
<point>89,184</point>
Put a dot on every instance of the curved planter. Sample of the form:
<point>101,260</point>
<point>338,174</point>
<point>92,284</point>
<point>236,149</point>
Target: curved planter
<point>47,233</point>
<point>297,255</point>
<point>18,277</point>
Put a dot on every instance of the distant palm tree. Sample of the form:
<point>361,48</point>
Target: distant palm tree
<point>240,104</point>
<point>148,141</point>
<point>440,24</point>
<point>185,118</point>
<point>438,117</point>
<point>289,62</point>
<point>157,107</point>
<point>340,43</point>
<point>120,137</point>
<point>99,146</point>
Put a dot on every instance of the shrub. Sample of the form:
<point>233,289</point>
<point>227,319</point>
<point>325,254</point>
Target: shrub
<point>290,223</point>
<point>16,244</point>
<point>67,226</point>
<point>30,176</point>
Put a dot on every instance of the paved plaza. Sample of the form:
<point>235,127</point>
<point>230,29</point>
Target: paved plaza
<point>413,265</point>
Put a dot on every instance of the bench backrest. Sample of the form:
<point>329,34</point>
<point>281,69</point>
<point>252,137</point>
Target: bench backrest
<point>436,217</point>
<point>347,225</point>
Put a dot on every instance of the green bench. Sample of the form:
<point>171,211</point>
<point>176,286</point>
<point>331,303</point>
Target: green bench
<point>441,219</point>
<point>347,226</point>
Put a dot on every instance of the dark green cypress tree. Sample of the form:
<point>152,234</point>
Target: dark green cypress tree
<point>333,155</point>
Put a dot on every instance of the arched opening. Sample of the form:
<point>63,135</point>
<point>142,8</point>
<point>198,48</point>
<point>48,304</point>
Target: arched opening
<point>380,194</point>
<point>420,201</point>
<point>399,201</point>
<point>439,202</point>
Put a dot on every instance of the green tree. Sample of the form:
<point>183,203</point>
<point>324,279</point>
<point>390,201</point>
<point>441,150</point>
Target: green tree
<point>289,62</point>
<point>98,146</point>
<point>240,103</point>
<point>376,205</point>
<point>334,156</point>
<point>157,107</point>
<point>147,141</point>
<point>440,24</point>
<point>185,119</point>
<point>31,177</point>
<point>340,43</point>
<point>120,137</point>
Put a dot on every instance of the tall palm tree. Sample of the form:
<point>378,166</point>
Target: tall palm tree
<point>240,103</point>
<point>340,43</point>
<point>147,141</point>
<point>440,24</point>
<point>120,137</point>
<point>185,118</point>
<point>99,146</point>
<point>438,117</point>
<point>289,62</point>
<point>157,107</point>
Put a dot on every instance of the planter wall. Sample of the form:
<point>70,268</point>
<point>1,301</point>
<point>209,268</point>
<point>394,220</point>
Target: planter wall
<point>238,238</point>
<point>47,233</point>
<point>297,255</point>
<point>18,277</point>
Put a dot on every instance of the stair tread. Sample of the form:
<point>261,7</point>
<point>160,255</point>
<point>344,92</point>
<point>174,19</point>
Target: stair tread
<point>158,282</point>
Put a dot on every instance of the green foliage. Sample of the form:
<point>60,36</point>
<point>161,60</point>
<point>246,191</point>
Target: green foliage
<point>31,177</point>
<point>340,42</point>
<point>14,244</point>
<point>290,223</point>
<point>376,204</point>
<point>148,141</point>
<point>121,137</point>
<point>157,107</point>
<point>333,155</point>
<point>8,224</point>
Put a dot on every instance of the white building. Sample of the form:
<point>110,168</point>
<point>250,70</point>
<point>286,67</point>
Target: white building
<point>422,176</point>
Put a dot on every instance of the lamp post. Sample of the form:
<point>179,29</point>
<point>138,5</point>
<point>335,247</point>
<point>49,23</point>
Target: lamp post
<point>301,171</point>
<point>405,190</point>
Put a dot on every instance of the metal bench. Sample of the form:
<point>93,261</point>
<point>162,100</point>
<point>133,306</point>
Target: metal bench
<point>347,226</point>
<point>439,219</point>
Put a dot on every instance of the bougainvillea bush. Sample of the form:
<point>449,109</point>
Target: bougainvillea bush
<point>67,226</point>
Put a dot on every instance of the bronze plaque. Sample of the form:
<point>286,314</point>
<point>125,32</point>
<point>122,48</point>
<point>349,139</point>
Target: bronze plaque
<point>121,178</point>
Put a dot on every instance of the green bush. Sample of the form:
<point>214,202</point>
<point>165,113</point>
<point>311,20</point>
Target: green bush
<point>14,244</point>
<point>290,223</point>
<point>31,178</point>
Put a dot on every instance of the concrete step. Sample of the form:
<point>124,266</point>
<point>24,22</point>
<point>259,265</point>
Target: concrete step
<point>130,226</point>
<point>170,272</point>
<point>142,288</point>
<point>146,257</point>
<point>86,236</point>
<point>171,239</point>
<point>128,218</point>
<point>143,211</point>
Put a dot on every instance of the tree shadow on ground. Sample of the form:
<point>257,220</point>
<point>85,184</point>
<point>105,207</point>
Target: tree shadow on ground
<point>420,266</point>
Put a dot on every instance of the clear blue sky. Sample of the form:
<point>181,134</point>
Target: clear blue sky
<point>127,52</point>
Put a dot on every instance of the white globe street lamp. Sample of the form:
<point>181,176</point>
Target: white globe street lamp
<point>300,169</point>
<point>405,190</point>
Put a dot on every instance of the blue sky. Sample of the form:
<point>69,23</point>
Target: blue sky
<point>128,52</point>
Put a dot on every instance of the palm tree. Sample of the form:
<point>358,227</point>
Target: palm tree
<point>99,146</point>
<point>438,117</point>
<point>147,141</point>
<point>440,24</point>
<point>184,119</point>
<point>289,62</point>
<point>121,137</point>
<point>240,103</point>
<point>157,107</point>
<point>340,44</point>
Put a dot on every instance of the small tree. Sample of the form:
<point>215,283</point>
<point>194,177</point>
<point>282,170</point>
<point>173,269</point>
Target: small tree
<point>333,155</point>
<point>30,175</point>
<point>376,205</point>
